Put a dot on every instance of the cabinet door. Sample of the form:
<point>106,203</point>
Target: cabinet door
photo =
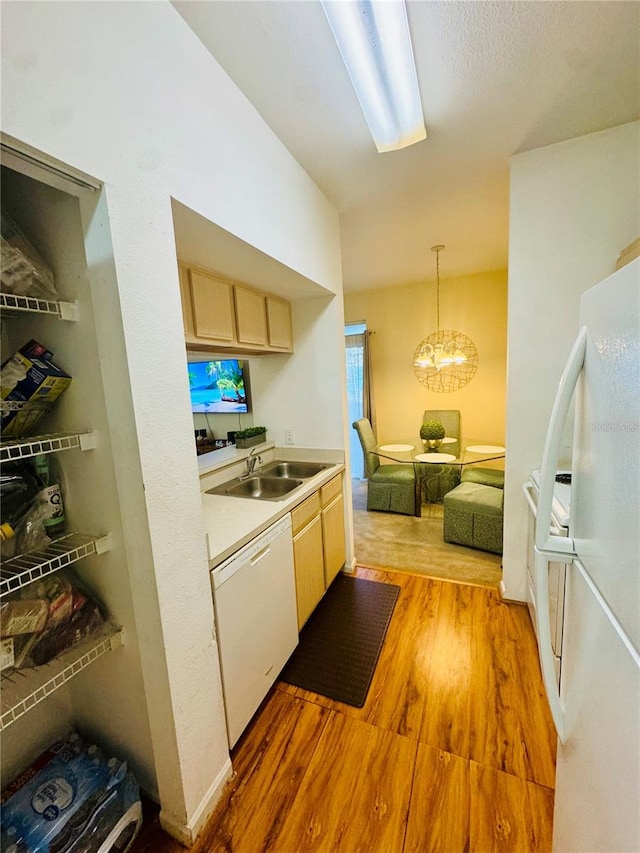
<point>331,490</point>
<point>304,512</point>
<point>251,316</point>
<point>212,305</point>
<point>333,538</point>
<point>187,308</point>
<point>309,564</point>
<point>279,323</point>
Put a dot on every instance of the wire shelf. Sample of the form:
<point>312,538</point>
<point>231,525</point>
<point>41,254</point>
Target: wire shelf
<point>25,568</point>
<point>63,310</point>
<point>22,689</point>
<point>23,448</point>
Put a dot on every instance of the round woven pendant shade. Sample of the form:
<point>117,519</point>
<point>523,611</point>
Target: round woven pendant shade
<point>448,377</point>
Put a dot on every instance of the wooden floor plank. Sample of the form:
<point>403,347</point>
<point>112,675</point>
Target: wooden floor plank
<point>507,814</point>
<point>445,720</point>
<point>538,733</point>
<point>269,765</point>
<point>396,697</point>
<point>439,812</point>
<point>355,793</point>
<point>506,732</point>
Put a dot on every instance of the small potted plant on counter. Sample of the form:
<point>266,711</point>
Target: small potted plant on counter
<point>250,436</point>
<point>432,433</point>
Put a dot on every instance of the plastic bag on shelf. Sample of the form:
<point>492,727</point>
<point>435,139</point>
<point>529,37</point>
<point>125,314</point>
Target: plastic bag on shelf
<point>72,614</point>
<point>32,511</point>
<point>23,510</point>
<point>19,488</point>
<point>72,798</point>
<point>30,534</point>
<point>23,271</point>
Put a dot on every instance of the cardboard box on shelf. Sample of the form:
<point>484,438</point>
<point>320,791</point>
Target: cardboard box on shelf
<point>30,383</point>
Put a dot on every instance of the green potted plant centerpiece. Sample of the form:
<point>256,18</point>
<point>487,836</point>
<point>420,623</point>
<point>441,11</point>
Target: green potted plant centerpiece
<point>250,436</point>
<point>432,433</point>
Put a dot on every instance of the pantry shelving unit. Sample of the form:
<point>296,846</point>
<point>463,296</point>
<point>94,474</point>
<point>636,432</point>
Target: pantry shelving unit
<point>23,448</point>
<point>23,689</point>
<point>21,570</point>
<point>91,428</point>
<point>11,302</point>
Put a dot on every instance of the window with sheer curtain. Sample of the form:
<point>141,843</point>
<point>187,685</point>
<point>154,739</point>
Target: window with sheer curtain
<point>359,395</point>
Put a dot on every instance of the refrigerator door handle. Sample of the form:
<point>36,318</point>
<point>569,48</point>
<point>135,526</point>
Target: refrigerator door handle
<point>545,648</point>
<point>561,548</point>
<point>549,546</point>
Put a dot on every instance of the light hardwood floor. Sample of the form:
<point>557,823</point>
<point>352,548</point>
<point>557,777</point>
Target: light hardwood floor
<point>453,750</point>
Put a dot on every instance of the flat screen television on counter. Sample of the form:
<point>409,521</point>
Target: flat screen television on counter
<point>218,386</point>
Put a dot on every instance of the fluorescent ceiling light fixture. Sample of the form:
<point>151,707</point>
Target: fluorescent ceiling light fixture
<point>374,41</point>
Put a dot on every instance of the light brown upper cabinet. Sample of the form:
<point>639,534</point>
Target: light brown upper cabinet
<point>220,314</point>
<point>251,316</point>
<point>279,324</point>
<point>212,306</point>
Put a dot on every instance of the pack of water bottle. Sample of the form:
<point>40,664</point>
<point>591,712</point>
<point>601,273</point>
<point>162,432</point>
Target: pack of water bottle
<point>72,799</point>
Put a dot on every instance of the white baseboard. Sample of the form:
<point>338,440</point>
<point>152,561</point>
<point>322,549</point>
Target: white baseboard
<point>505,597</point>
<point>350,566</point>
<point>187,833</point>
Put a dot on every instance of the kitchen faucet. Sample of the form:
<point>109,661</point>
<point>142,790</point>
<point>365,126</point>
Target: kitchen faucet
<point>251,462</point>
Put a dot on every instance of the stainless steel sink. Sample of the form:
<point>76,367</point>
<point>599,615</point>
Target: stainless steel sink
<point>259,487</point>
<point>272,482</point>
<point>294,469</point>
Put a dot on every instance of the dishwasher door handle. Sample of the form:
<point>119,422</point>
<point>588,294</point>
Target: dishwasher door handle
<point>225,572</point>
<point>260,555</point>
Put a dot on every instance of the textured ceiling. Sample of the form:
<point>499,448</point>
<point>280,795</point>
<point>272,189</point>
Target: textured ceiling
<point>496,78</point>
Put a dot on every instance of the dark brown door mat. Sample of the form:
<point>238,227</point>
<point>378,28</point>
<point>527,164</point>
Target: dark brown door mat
<point>341,643</point>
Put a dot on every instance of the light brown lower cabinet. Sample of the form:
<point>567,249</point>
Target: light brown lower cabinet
<point>318,545</point>
<point>307,554</point>
<point>333,538</point>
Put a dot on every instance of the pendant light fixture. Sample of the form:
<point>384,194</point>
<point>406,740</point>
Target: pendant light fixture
<point>445,360</point>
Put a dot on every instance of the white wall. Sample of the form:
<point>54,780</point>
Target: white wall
<point>126,93</point>
<point>574,206</point>
<point>298,391</point>
<point>304,391</point>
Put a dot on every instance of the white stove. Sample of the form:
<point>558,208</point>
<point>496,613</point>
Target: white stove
<point>561,503</point>
<point>560,515</point>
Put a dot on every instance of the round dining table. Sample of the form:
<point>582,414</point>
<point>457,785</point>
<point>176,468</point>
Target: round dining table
<point>414,452</point>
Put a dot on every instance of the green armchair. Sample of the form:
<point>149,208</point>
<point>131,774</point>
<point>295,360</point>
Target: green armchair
<point>390,488</point>
<point>437,480</point>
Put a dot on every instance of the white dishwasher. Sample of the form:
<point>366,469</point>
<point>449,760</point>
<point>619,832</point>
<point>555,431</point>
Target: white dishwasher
<point>254,593</point>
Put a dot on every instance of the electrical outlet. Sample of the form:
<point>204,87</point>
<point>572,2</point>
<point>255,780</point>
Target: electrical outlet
<point>289,436</point>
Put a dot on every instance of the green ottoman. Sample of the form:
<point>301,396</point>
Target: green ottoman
<point>473,516</point>
<point>486,476</point>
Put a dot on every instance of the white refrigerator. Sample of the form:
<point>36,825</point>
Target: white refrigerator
<point>596,709</point>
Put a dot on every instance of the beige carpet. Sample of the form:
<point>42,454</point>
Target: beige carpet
<point>410,544</point>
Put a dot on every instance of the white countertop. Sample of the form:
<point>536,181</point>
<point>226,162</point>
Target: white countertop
<point>231,522</point>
